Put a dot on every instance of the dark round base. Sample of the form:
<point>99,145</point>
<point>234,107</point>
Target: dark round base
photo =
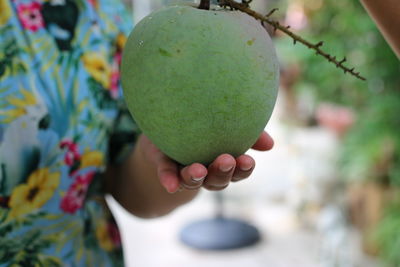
<point>219,234</point>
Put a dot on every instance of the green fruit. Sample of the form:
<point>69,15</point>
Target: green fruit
<point>200,83</point>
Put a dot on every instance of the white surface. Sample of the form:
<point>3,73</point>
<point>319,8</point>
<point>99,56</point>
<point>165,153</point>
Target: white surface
<point>154,243</point>
<point>141,9</point>
<point>282,198</point>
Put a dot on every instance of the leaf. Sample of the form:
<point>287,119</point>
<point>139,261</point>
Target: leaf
<point>50,61</point>
<point>6,228</point>
<point>82,105</point>
<point>53,216</point>
<point>387,235</point>
<point>59,86</point>
<point>3,215</point>
<point>51,261</point>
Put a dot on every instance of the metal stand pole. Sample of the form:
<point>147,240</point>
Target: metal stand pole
<point>219,233</point>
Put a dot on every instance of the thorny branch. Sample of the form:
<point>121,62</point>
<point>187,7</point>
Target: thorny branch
<point>244,7</point>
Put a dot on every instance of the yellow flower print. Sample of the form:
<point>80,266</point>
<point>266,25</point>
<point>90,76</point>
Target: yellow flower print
<point>98,67</point>
<point>92,158</point>
<point>103,236</point>
<point>120,41</point>
<point>39,188</point>
<point>20,104</point>
<point>5,13</point>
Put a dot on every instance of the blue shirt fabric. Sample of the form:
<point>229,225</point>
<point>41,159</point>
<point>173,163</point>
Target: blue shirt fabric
<point>62,120</point>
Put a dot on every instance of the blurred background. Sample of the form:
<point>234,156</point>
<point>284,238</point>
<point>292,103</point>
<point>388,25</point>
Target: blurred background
<point>328,193</point>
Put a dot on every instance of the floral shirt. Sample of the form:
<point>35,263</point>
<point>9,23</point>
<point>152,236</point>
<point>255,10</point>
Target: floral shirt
<point>62,120</point>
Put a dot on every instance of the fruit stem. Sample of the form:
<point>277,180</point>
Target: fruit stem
<point>204,4</point>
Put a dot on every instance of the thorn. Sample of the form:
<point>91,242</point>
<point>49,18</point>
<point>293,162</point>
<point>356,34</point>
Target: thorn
<point>222,4</point>
<point>343,60</point>
<point>272,12</point>
<point>287,27</point>
<point>352,69</point>
<point>319,44</point>
<point>246,2</point>
<point>294,41</point>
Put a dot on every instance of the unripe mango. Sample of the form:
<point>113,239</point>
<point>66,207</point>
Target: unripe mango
<point>200,83</point>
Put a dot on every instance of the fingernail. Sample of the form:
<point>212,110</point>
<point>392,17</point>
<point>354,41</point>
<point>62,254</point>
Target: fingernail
<point>226,168</point>
<point>197,179</point>
<point>191,187</point>
<point>172,189</point>
<point>248,168</point>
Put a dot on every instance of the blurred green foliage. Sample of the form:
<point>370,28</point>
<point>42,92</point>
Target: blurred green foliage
<point>347,30</point>
<point>388,235</point>
<point>371,149</point>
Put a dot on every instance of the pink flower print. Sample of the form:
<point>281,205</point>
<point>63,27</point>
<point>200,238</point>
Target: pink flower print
<point>30,16</point>
<point>93,3</point>
<point>70,144</point>
<point>114,85</point>
<point>69,158</point>
<point>118,19</point>
<point>118,58</point>
<point>74,198</point>
<point>72,155</point>
<point>114,234</point>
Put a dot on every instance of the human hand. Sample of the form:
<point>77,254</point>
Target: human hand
<point>223,170</point>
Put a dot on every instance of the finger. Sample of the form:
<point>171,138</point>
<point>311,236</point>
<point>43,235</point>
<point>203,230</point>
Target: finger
<point>244,167</point>
<point>168,174</point>
<point>220,172</point>
<point>193,176</point>
<point>264,142</point>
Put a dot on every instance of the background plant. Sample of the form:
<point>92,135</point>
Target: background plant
<point>371,149</point>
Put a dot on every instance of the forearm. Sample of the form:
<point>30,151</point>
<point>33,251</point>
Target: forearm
<point>386,14</point>
<point>136,186</point>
